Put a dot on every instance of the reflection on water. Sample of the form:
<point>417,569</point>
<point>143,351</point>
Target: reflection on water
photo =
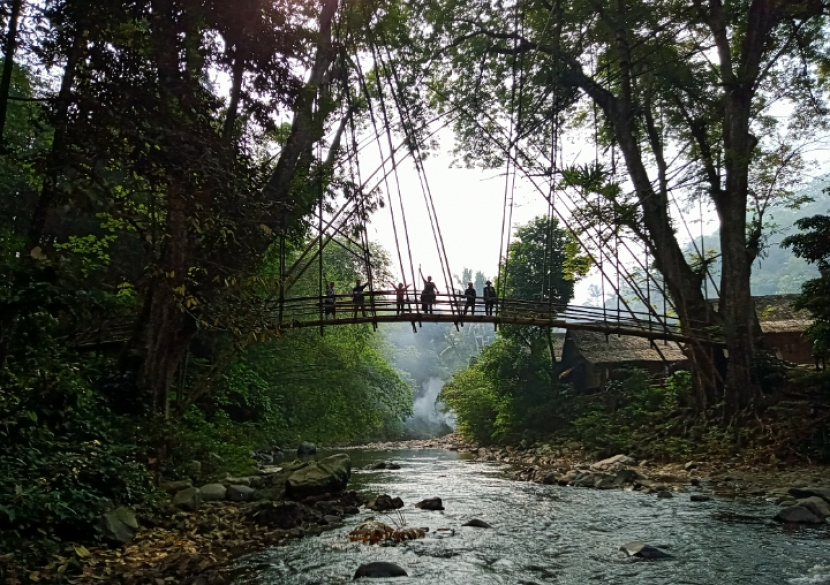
<point>549,534</point>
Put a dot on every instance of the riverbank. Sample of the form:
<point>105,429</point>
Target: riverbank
<point>191,535</point>
<point>186,543</point>
<point>570,465</point>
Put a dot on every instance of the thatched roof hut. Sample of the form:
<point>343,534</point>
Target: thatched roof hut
<point>590,359</point>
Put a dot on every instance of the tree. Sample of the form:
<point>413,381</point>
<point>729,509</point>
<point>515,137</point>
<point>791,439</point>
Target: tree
<point>681,91</point>
<point>543,263</point>
<point>814,246</point>
<point>151,161</point>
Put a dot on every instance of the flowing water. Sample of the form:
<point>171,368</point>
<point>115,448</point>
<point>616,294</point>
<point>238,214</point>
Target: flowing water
<point>548,534</point>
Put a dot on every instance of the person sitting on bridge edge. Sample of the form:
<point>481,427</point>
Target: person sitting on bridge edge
<point>490,297</point>
<point>358,298</point>
<point>470,296</point>
<point>331,301</point>
<point>400,298</point>
<point>429,293</point>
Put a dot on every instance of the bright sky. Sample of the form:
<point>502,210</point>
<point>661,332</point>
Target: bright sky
<point>469,204</point>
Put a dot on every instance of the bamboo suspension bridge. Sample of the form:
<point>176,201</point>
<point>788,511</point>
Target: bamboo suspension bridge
<point>345,226</point>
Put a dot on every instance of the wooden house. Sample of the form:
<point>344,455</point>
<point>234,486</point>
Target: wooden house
<point>782,328</point>
<point>590,359</point>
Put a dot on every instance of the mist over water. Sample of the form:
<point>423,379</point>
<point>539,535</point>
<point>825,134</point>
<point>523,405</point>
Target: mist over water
<point>429,358</point>
<point>427,416</point>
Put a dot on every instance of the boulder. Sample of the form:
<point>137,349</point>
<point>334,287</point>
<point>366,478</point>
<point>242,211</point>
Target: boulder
<point>306,449</point>
<point>690,465</point>
<point>665,494</point>
<point>797,515</point>
<point>430,504</point>
<point>213,492</point>
<point>328,475</point>
<point>816,505</point>
<point>385,502</point>
<point>604,483</point>
<point>188,499</point>
<point>171,487</point>
<point>550,478</point>
<point>240,493</point>
<point>621,459</point>
<point>808,492</point>
<point>379,570</point>
<point>643,551</point>
<point>625,476</point>
<point>382,465</point>
<point>229,481</point>
<point>699,498</point>
<point>476,523</point>
<point>119,525</point>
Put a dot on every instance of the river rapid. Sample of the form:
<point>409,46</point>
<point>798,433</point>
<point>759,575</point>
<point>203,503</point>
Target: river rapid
<point>547,534</point>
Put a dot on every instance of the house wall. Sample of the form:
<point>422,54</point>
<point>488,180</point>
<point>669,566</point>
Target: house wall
<point>790,346</point>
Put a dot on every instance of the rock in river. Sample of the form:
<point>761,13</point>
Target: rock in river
<point>430,504</point>
<point>797,515</point>
<point>643,551</point>
<point>329,475</point>
<point>476,523</point>
<point>816,505</point>
<point>385,502</point>
<point>806,492</point>
<point>379,570</point>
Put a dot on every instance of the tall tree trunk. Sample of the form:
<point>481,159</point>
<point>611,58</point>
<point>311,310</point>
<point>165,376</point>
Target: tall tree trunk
<point>49,193</point>
<point>236,92</point>
<point>8,67</point>
<point>306,128</point>
<point>169,330</point>
<point>683,285</point>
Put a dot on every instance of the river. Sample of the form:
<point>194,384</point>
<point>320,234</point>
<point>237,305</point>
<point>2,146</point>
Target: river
<point>548,534</point>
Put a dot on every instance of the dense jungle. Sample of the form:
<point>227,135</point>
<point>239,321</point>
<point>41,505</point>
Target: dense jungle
<point>168,169</point>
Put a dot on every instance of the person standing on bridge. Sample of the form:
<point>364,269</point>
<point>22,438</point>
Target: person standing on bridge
<point>358,297</point>
<point>429,294</point>
<point>490,297</point>
<point>400,298</point>
<point>330,303</point>
<point>470,298</point>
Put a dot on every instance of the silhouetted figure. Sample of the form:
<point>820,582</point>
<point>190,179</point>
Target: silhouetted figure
<point>330,303</point>
<point>490,297</point>
<point>358,298</point>
<point>470,298</point>
<point>400,298</point>
<point>429,294</point>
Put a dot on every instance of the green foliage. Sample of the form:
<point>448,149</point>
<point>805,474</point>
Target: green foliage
<point>632,413</point>
<point>219,444</point>
<point>471,396</point>
<point>813,245</point>
<point>65,457</point>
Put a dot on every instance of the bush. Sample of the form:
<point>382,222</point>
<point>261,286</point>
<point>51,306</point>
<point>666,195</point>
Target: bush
<point>65,458</point>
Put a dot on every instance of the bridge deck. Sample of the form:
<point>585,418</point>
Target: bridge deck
<point>418,318</point>
<point>380,308</point>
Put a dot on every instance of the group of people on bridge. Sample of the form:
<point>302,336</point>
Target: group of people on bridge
<point>429,297</point>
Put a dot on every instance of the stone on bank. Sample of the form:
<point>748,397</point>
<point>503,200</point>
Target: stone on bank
<point>327,475</point>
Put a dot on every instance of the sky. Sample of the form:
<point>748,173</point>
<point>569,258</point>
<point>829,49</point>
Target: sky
<point>469,204</point>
